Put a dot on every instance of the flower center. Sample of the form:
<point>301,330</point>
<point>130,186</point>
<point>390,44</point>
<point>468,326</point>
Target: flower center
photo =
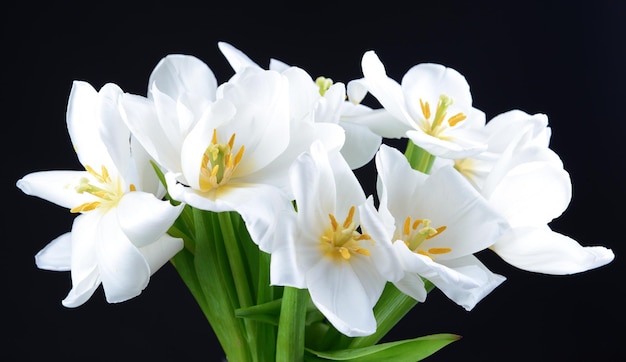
<point>218,163</point>
<point>340,241</point>
<point>107,191</point>
<point>436,126</point>
<point>323,84</point>
<point>416,231</point>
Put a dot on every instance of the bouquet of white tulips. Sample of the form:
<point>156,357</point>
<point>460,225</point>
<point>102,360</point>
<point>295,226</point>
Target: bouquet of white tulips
<point>248,188</point>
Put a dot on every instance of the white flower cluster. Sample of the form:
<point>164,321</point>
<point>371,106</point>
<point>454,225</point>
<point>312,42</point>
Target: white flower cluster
<point>279,147</point>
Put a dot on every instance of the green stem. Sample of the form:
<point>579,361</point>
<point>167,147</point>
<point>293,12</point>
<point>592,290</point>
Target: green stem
<point>290,341</point>
<point>213,274</point>
<point>239,273</point>
<point>419,159</point>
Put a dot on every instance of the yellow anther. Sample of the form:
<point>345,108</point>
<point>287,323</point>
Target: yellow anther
<point>231,141</point>
<point>425,109</point>
<point>333,222</point>
<point>348,220</point>
<point>456,119</point>
<point>342,240</point>
<point>238,156</point>
<point>133,187</point>
<point>438,231</point>
<point>439,250</point>
<point>104,189</point>
<point>218,164</point>
<point>87,206</point>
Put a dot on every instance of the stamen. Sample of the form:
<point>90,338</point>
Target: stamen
<point>333,222</point>
<point>456,119</point>
<point>218,164</point>
<point>425,109</point>
<point>87,206</point>
<point>348,220</point>
<point>438,231</point>
<point>323,84</point>
<point>439,250</point>
<point>341,241</point>
<point>407,224</point>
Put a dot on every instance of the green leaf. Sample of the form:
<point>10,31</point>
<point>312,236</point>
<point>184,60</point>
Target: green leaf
<point>266,312</point>
<point>409,350</point>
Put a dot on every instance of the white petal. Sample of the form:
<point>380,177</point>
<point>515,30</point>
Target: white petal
<point>124,271</point>
<point>161,251</point>
<point>386,90</point>
<point>473,269</point>
<point>428,81</point>
<point>184,78</point>
<point>533,193</point>
<point>113,131</point>
<point>541,250</point>
<point>337,292</point>
<point>143,218</point>
<point>82,290</point>
<point>446,198</point>
<point>55,186</point>
<point>413,286</point>
<point>360,145</point>
<point>139,114</point>
<point>285,267</point>
<point>83,124</point>
<point>57,255</point>
<point>235,57</point>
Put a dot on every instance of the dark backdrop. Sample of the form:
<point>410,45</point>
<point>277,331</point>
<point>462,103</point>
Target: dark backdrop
<point>557,58</point>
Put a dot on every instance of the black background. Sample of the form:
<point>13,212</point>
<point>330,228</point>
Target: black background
<point>557,58</point>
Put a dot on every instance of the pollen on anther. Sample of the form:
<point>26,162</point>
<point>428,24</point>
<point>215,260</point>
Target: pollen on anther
<point>348,220</point>
<point>456,119</point>
<point>439,250</point>
<point>425,109</point>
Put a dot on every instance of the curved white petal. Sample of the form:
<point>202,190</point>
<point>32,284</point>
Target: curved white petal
<point>186,79</point>
<point>57,255</point>
<point>82,289</point>
<point>473,269</point>
<point>360,145</point>
<point>313,186</point>
<point>428,81</point>
<point>113,131</point>
<point>123,269</point>
<point>386,90</point>
<point>235,57</point>
<point>337,292</point>
<point>533,193</point>
<point>541,250</point>
<point>261,122</point>
<point>412,285</point>
<point>84,264</point>
<point>161,251</point>
<point>83,125</point>
<point>381,252</point>
<point>143,218</point>
<point>140,115</point>
<point>472,224</point>
<point>356,90</point>
<point>285,266</point>
<point>57,187</point>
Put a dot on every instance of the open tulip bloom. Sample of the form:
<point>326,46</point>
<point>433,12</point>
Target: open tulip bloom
<point>248,188</point>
